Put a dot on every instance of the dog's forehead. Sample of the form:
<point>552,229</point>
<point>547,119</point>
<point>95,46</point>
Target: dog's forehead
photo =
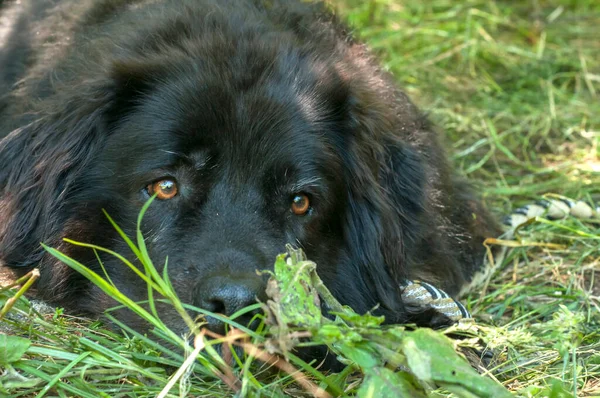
<point>253,128</point>
<point>255,119</point>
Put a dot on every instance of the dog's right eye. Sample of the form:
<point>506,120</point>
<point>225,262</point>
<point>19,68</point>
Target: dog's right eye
<point>300,204</point>
<point>164,189</point>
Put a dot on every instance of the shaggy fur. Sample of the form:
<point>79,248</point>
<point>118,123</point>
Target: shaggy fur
<point>244,104</point>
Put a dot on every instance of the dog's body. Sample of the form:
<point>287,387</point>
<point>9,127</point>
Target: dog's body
<point>268,121</point>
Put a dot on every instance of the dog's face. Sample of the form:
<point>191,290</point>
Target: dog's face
<point>239,168</point>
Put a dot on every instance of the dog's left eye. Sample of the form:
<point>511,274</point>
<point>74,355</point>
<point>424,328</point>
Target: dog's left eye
<point>300,204</point>
<point>164,189</point>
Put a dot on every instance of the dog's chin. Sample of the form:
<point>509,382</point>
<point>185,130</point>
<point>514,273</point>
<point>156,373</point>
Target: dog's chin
<point>320,357</point>
<point>317,356</point>
<point>236,348</point>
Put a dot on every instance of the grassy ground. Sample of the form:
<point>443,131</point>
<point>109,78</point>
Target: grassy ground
<point>515,86</point>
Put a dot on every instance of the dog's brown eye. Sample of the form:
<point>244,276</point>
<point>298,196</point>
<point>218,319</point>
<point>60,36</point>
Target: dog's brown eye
<point>164,189</point>
<point>300,204</point>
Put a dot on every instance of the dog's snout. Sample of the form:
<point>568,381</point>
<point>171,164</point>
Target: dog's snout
<point>226,295</point>
<point>227,298</point>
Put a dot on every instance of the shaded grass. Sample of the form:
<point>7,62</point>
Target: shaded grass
<point>514,86</point>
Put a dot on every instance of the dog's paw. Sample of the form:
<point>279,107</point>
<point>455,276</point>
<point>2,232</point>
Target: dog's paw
<point>429,306</point>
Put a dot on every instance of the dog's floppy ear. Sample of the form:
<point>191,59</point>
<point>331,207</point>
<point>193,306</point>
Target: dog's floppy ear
<point>42,162</point>
<point>384,206</point>
<point>386,188</point>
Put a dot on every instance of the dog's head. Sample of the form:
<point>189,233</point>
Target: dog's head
<point>247,144</point>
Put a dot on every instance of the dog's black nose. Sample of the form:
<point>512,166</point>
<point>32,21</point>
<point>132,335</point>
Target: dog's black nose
<point>227,295</point>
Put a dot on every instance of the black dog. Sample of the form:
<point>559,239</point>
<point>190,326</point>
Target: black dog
<point>256,123</point>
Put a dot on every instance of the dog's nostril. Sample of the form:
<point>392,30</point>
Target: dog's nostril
<point>223,295</point>
<point>216,306</point>
<point>229,298</point>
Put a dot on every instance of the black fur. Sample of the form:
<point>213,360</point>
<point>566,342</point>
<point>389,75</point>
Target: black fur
<point>244,104</point>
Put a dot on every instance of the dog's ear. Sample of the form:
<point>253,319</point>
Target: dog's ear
<point>386,188</point>
<point>385,203</point>
<point>42,162</point>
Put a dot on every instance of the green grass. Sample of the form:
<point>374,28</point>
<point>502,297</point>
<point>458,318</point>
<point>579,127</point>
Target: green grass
<point>514,86</point>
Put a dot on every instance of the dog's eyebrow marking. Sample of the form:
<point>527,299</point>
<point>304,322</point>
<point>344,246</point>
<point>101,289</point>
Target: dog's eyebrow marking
<point>178,154</point>
<point>200,160</point>
<point>305,182</point>
<point>197,159</point>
